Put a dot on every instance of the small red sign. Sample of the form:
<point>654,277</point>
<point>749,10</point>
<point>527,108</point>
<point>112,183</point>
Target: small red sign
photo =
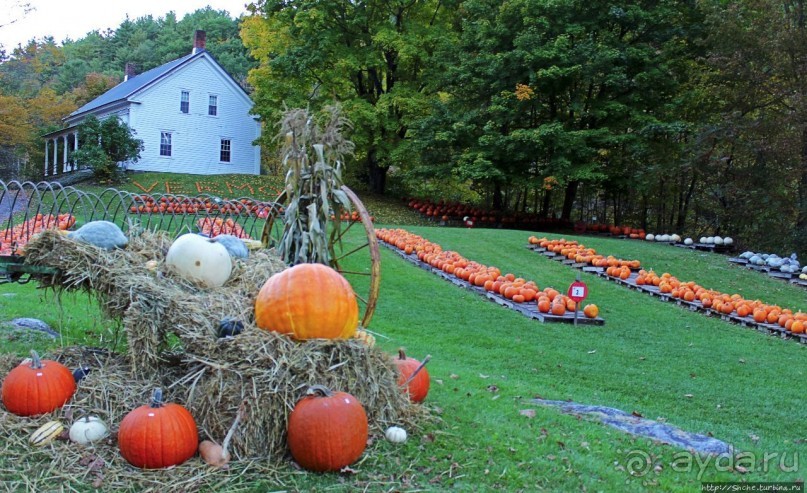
<point>578,291</point>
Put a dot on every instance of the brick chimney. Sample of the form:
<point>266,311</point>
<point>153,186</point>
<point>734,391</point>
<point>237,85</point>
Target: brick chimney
<point>129,71</point>
<point>199,39</point>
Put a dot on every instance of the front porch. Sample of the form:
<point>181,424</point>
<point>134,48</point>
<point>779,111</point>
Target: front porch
<point>59,149</point>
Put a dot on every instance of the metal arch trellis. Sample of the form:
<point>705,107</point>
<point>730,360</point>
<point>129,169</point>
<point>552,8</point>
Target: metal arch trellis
<point>28,207</point>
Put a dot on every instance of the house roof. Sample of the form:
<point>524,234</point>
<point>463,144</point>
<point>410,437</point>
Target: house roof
<point>125,89</point>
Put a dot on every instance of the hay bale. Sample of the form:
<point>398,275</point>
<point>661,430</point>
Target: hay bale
<point>151,304</point>
<point>211,376</point>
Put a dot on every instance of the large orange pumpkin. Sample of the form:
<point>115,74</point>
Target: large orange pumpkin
<point>158,435</point>
<point>308,301</point>
<point>327,430</point>
<point>38,387</point>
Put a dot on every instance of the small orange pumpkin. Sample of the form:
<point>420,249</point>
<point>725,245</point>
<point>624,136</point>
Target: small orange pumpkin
<point>558,308</point>
<point>591,311</point>
<point>412,375</point>
<point>288,303</point>
<point>38,387</point>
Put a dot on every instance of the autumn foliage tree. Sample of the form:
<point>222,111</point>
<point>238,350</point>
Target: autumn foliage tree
<point>370,56</point>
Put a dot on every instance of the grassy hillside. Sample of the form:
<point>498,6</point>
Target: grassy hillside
<point>652,358</point>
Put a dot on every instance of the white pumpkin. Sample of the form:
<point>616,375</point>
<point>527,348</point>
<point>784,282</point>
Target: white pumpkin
<point>703,239</point>
<point>198,259</point>
<point>395,434</point>
<point>664,237</point>
<point>688,241</point>
<point>728,240</point>
<point>675,238</point>
<point>88,429</point>
<point>718,240</point>
<point>650,237</point>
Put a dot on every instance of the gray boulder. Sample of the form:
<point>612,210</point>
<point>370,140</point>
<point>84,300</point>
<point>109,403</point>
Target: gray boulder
<point>34,324</point>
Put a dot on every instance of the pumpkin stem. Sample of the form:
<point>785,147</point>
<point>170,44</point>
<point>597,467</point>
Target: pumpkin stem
<point>401,354</point>
<point>319,390</point>
<point>157,398</point>
<point>36,363</point>
<point>417,370</point>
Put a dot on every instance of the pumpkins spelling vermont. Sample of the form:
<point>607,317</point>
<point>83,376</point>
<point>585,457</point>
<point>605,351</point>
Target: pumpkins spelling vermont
<point>308,301</point>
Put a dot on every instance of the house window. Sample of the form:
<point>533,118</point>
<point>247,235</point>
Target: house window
<point>185,102</point>
<point>165,143</point>
<point>213,106</point>
<point>224,153</point>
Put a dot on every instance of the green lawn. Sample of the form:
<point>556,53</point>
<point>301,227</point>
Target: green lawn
<point>488,362</point>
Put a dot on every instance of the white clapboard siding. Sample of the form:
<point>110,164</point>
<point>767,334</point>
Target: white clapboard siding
<point>196,136</point>
<point>150,104</point>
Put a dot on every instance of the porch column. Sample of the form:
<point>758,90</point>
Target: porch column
<point>47,145</point>
<point>75,148</point>
<point>64,156</point>
<point>55,156</point>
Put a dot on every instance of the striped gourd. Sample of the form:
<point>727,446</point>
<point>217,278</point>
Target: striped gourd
<point>47,432</point>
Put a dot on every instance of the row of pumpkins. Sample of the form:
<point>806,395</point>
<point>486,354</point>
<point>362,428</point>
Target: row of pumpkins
<point>704,240</point>
<point>578,252</point>
<point>490,278</point>
<point>326,430</point>
<point>641,234</point>
<point>794,322</point>
<point>474,215</point>
<point>724,303</point>
<point>789,264</point>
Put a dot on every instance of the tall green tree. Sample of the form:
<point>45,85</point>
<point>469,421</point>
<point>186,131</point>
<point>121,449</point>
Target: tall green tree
<point>758,175</point>
<point>370,56</point>
<point>556,90</point>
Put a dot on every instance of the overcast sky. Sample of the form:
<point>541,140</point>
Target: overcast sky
<point>75,18</point>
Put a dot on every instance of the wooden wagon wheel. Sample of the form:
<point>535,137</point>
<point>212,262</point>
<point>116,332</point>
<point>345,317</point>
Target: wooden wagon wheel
<point>356,256</point>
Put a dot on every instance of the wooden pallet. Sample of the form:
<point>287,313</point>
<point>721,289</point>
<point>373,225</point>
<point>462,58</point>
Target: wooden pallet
<point>707,247</point>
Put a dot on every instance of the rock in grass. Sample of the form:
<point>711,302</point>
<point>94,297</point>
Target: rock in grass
<point>34,324</point>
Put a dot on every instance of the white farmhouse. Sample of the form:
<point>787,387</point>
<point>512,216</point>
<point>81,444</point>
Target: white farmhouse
<point>190,114</point>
